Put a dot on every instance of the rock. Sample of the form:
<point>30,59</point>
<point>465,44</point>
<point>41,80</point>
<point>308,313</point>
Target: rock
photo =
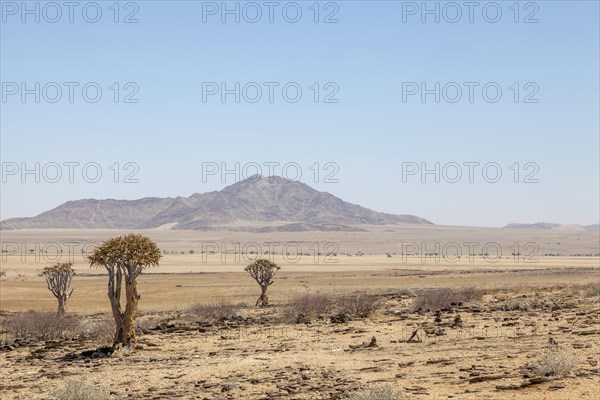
<point>485,378</point>
<point>443,361</point>
<point>340,318</point>
<point>439,332</point>
<point>302,319</point>
<point>557,386</point>
<point>163,327</point>
<point>209,385</point>
<point>587,333</point>
<point>457,321</point>
<point>373,342</point>
<point>538,380</point>
<point>511,386</point>
<point>414,337</point>
<point>227,387</point>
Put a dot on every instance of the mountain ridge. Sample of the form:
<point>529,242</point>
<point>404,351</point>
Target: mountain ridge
<point>554,226</point>
<point>257,199</point>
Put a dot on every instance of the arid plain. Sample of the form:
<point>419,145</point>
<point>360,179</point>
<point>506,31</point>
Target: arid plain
<point>535,294</point>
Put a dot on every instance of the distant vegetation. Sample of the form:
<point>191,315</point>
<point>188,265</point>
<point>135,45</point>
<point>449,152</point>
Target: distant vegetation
<point>432,299</point>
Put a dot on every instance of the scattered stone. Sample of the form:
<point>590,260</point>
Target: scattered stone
<point>538,380</point>
<point>302,319</point>
<point>557,386</point>
<point>485,378</point>
<point>443,361</point>
<point>228,387</point>
<point>340,318</point>
<point>511,386</point>
<point>457,321</point>
<point>414,337</point>
<point>364,345</point>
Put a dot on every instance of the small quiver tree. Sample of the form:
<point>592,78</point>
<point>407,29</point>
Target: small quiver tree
<point>58,277</point>
<point>125,257</point>
<point>263,271</point>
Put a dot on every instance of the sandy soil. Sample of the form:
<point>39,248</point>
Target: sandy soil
<point>261,355</point>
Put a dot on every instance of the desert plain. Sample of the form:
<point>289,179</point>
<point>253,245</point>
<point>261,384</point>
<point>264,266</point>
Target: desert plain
<point>533,299</point>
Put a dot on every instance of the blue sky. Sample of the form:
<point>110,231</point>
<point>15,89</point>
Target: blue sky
<point>370,133</point>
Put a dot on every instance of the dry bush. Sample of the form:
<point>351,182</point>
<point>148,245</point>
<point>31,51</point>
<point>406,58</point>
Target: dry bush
<point>101,330</point>
<point>215,311</point>
<point>593,290</point>
<point>514,304</point>
<point>309,305</point>
<point>383,391</point>
<point>148,322</point>
<point>359,305</point>
<point>555,362</point>
<point>405,292</point>
<point>79,390</point>
<point>432,299</point>
<point>40,325</point>
<point>469,293</point>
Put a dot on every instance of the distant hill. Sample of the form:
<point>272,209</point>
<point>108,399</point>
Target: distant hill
<point>555,227</point>
<point>256,200</point>
<point>592,228</point>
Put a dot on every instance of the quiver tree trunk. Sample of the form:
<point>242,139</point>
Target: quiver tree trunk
<point>115,279</point>
<point>125,319</point>
<point>263,300</point>
<point>130,315</point>
<point>62,301</point>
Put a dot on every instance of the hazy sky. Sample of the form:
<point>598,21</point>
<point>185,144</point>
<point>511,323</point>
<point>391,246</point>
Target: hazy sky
<point>360,115</point>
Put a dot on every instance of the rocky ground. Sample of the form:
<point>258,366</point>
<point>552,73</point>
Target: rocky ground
<point>493,347</point>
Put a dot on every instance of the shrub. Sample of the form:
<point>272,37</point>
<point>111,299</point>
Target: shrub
<point>555,362</point>
<point>444,297</point>
<point>215,311</point>
<point>593,290</point>
<point>469,293</point>
<point>405,292</point>
<point>101,330</point>
<point>514,304</point>
<point>40,325</point>
<point>309,305</point>
<point>384,391</point>
<point>359,305</point>
<point>78,390</point>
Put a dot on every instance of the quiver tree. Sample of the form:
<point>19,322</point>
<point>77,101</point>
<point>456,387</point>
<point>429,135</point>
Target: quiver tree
<point>263,271</point>
<point>125,257</point>
<point>58,277</point>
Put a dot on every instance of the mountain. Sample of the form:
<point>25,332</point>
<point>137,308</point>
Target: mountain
<point>555,227</point>
<point>258,199</point>
<point>592,228</point>
<point>538,225</point>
